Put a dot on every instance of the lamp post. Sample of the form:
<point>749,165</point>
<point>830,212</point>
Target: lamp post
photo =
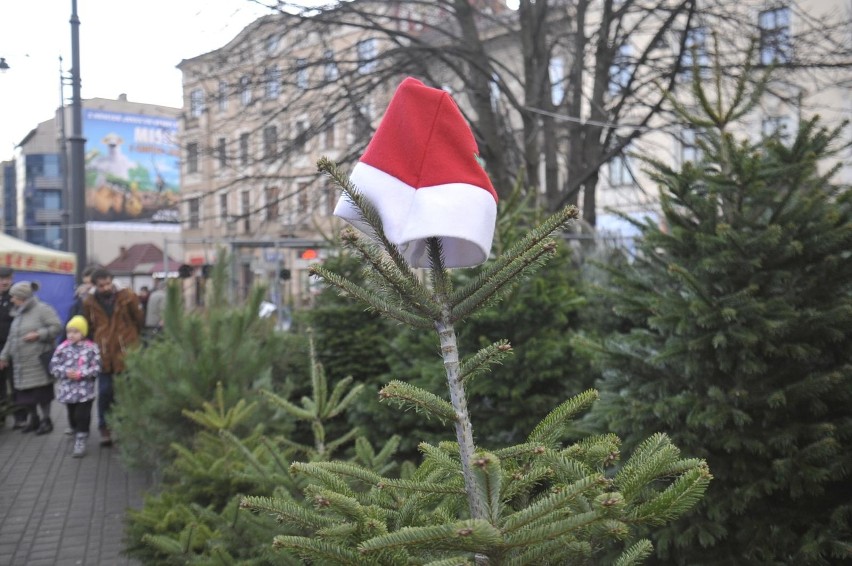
<point>77,230</point>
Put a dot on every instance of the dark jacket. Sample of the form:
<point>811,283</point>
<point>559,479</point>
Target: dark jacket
<point>77,309</point>
<point>114,334</point>
<point>5,316</point>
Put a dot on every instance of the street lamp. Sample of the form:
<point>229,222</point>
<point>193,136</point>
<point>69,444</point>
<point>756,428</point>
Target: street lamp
<point>77,230</point>
<point>4,66</point>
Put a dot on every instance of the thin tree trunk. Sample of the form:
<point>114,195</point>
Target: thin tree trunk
<point>464,428</point>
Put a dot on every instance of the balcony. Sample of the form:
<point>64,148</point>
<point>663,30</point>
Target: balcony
<point>48,216</point>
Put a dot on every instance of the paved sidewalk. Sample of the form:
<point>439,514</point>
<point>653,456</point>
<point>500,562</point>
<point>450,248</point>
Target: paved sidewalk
<point>59,510</point>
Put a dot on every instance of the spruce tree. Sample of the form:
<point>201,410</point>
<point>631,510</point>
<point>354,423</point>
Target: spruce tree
<point>543,501</point>
<point>194,517</point>
<point>540,313</point>
<point>226,343</point>
<point>740,302</point>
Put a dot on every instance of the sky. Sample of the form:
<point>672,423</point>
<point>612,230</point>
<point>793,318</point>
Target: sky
<point>126,47</point>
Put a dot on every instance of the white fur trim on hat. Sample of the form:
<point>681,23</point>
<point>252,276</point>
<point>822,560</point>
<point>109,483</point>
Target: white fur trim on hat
<point>462,215</point>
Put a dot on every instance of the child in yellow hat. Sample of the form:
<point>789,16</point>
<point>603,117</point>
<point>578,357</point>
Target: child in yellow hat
<point>76,365</point>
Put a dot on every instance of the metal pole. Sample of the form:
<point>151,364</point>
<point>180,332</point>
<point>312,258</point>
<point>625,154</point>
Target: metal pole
<point>77,231</point>
<point>63,157</point>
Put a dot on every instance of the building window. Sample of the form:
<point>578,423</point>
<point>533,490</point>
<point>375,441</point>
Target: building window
<point>300,142</point>
<point>494,91</point>
<point>330,194</point>
<point>302,73</point>
<point>775,45</point>
<point>363,120</point>
<point>780,127</point>
<point>330,72</point>
<point>690,150</point>
<point>328,136</point>
<point>366,55</point>
<point>222,152</point>
<point>302,200</point>
<point>192,157</point>
<point>270,142</point>
<point>272,202</point>
<point>272,82</point>
<point>619,171</point>
<point>272,42</point>
<point>194,215</point>
<point>245,210</point>
<point>222,96</point>
<point>556,71</point>
<point>244,149</point>
<point>49,200</point>
<point>245,90</point>
<point>695,52</point>
<point>621,70</point>
<point>196,102</point>
<point>223,208</point>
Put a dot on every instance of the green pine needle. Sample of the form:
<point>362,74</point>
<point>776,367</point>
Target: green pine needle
<point>410,396</point>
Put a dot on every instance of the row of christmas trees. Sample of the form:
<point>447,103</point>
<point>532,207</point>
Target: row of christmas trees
<point>722,345</point>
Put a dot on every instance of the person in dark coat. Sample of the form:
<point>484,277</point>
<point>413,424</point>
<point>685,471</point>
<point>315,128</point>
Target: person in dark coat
<point>80,295</point>
<point>6,384</point>
<point>115,321</point>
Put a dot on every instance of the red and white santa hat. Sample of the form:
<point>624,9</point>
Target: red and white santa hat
<point>421,172</point>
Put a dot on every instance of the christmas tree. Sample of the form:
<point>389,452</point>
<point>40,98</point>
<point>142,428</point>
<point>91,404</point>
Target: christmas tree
<point>543,501</point>
<point>740,298</point>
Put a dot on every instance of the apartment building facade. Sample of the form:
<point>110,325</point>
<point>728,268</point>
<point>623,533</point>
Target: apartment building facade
<point>252,132</point>
<point>257,116</point>
<point>803,41</point>
<point>131,179</point>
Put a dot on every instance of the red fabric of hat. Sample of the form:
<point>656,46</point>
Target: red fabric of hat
<point>421,173</point>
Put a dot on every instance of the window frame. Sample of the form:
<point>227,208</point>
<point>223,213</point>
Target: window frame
<point>621,69</point>
<point>222,96</point>
<point>778,126</point>
<point>272,83</point>
<point>196,102</point>
<point>272,203</point>
<point>222,203</point>
<point>245,90</point>
<point>367,52</point>
<point>270,141</point>
<point>245,209</point>
<point>193,213</point>
<point>330,70</point>
<point>695,37</point>
<point>302,73</point>
<point>193,154</point>
<point>619,170</point>
<point>222,152</point>
<point>245,148</point>
<point>775,40</point>
<point>690,148</point>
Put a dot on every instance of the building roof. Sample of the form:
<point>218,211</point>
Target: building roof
<point>138,259</point>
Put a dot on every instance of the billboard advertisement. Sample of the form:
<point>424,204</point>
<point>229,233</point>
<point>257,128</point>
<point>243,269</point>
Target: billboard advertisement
<point>132,167</point>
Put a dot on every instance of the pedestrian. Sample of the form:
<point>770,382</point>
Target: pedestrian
<point>115,322</point>
<point>80,295</point>
<point>6,384</point>
<point>31,337</point>
<point>76,365</point>
<point>143,295</point>
<point>155,311</point>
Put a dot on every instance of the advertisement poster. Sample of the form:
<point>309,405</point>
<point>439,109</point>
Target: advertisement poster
<point>132,167</point>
